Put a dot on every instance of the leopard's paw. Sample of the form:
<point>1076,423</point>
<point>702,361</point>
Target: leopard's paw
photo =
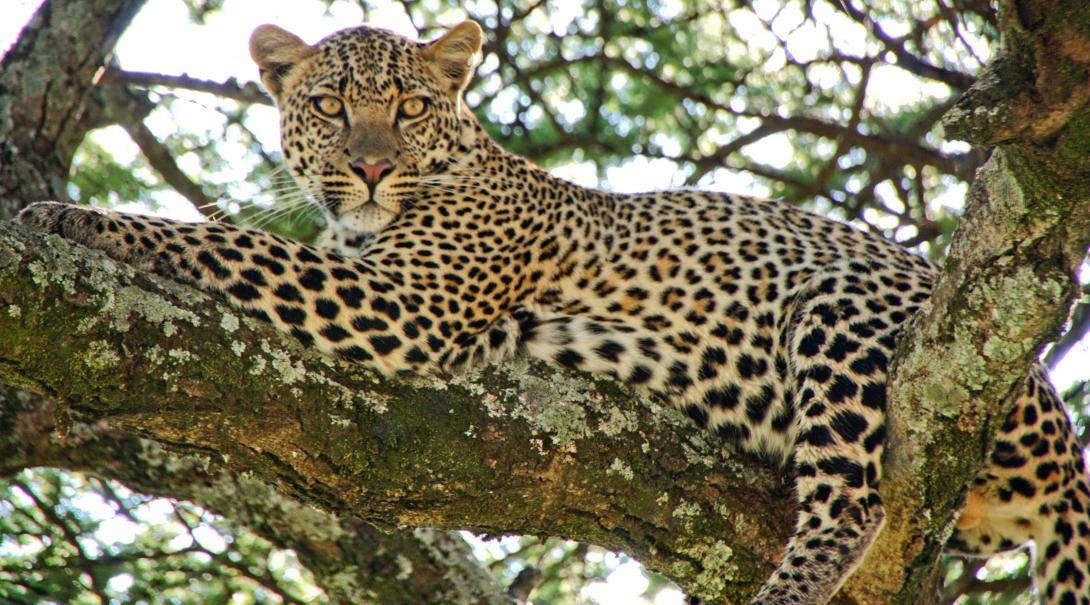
<point>107,231</point>
<point>43,216</point>
<point>80,224</point>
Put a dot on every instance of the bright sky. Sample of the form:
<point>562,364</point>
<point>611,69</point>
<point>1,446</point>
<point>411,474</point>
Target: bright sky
<point>162,39</point>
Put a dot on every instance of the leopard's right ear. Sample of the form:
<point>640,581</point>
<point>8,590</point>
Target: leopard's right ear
<point>454,56</point>
<point>276,51</point>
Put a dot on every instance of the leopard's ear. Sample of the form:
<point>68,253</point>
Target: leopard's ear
<point>276,51</point>
<point>454,56</point>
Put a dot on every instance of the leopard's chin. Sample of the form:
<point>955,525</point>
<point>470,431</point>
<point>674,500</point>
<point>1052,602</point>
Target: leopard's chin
<point>368,217</point>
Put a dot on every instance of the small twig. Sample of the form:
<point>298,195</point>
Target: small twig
<point>249,92</point>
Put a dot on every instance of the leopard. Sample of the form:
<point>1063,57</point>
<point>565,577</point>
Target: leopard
<point>772,327</point>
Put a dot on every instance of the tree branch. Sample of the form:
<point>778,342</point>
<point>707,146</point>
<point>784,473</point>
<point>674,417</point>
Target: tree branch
<point>162,160</point>
<point>905,59</point>
<point>353,561</point>
<point>516,448</point>
<point>112,103</point>
<point>247,92</point>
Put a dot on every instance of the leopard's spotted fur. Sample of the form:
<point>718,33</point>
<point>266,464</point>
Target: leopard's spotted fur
<point>771,326</point>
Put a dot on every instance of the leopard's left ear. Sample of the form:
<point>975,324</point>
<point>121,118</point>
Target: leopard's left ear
<point>454,56</point>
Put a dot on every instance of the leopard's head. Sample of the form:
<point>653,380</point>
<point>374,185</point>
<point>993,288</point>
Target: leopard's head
<point>365,114</point>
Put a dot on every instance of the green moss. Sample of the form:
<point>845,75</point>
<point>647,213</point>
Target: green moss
<point>555,406</point>
<point>1073,146</point>
<point>118,306</point>
<point>619,421</point>
<point>347,457</point>
<point>1015,300</point>
<point>1007,196</point>
<point>944,397</point>
<point>688,513</point>
<point>1054,178</point>
<point>1002,350</point>
<point>971,367</point>
<point>10,252</point>
<point>288,370</point>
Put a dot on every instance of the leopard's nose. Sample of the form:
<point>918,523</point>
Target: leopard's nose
<point>371,173</point>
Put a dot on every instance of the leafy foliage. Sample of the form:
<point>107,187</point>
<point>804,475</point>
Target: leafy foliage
<point>100,180</point>
<point>79,540</point>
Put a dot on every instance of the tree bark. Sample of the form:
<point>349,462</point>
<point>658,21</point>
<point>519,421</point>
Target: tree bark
<point>518,448</point>
<point>49,99</point>
<point>353,561</point>
<point>1008,283</point>
<point>524,448</point>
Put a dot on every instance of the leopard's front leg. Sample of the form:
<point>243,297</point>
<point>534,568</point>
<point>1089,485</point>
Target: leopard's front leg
<point>348,308</point>
<point>122,237</point>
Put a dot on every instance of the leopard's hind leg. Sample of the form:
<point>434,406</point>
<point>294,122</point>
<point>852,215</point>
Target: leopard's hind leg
<point>840,340</point>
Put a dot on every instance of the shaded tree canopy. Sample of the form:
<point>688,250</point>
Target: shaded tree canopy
<point>835,106</point>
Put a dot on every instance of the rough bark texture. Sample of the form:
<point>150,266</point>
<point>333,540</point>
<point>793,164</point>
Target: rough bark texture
<point>528,449</point>
<point>518,448</point>
<point>353,561</point>
<point>48,101</point>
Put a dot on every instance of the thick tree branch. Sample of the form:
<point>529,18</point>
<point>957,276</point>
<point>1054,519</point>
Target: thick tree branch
<point>518,448</point>
<point>1009,281</point>
<point>353,561</point>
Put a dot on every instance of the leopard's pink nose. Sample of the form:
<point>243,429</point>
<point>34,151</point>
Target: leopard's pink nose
<point>371,173</point>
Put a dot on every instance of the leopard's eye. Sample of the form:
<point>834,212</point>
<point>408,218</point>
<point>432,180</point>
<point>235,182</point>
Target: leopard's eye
<point>328,106</point>
<point>412,108</point>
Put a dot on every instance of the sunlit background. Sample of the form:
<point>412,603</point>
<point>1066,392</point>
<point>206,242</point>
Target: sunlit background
<point>600,108</point>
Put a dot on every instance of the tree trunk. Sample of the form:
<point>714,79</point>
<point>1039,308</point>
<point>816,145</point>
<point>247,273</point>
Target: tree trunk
<point>45,79</point>
<point>524,448</point>
<point>1008,283</point>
